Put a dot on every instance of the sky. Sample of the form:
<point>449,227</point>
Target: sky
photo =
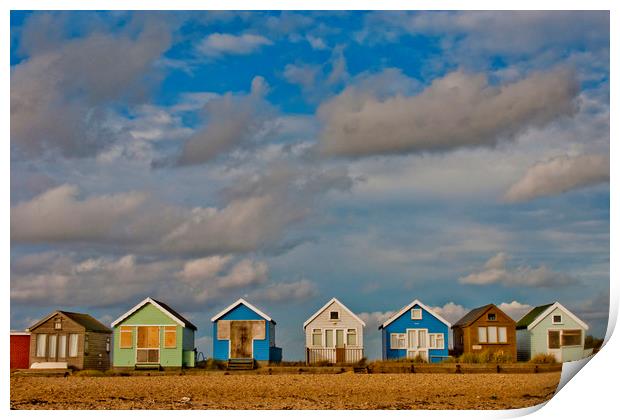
<point>458,158</point>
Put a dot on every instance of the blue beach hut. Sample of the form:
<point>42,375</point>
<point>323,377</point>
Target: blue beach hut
<point>415,331</point>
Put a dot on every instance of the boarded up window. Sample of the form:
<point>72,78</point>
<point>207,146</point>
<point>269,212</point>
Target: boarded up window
<point>126,337</point>
<point>148,337</point>
<point>73,345</point>
<point>316,337</point>
<point>482,334</point>
<point>351,337</point>
<point>223,330</point>
<point>170,337</point>
<point>147,356</point>
<point>554,339</point>
<point>571,338</point>
<point>503,334</point>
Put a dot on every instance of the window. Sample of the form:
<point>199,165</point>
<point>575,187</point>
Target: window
<point>397,341</point>
<point>416,313</point>
<point>492,334</point>
<point>316,337</point>
<point>436,341</point>
<point>73,345</point>
<point>62,346</point>
<point>57,324</point>
<point>126,337</point>
<point>334,315</point>
<point>41,344</point>
<point>553,339</point>
<point>351,337</point>
<point>491,317</point>
<point>482,334</point>
<point>148,337</point>
<point>53,344</point>
<point>557,319</point>
<point>503,334</point>
<point>329,338</point>
<point>170,337</point>
<point>571,338</point>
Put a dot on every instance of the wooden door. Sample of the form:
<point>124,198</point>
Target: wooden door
<point>147,348</point>
<point>241,340</point>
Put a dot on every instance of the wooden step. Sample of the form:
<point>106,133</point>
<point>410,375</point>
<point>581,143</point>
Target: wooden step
<point>240,364</point>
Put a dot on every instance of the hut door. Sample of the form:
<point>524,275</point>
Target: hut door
<point>240,340</point>
<point>553,344</point>
<point>417,343</point>
<point>147,349</point>
<point>340,352</point>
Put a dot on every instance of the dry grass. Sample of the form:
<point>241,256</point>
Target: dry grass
<point>344,391</point>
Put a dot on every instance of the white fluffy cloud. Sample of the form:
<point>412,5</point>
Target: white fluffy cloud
<point>219,44</point>
<point>58,215</point>
<point>514,309</point>
<point>286,291</point>
<point>374,319</point>
<point>455,111</point>
<point>59,279</point>
<point>255,215</point>
<point>451,311</point>
<point>496,272</point>
<point>558,175</point>
<point>59,93</point>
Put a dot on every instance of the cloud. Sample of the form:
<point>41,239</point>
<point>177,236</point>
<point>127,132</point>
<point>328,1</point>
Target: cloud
<point>451,311</point>
<point>232,121</point>
<point>511,33</point>
<point>558,175</point>
<point>255,214</point>
<point>57,215</point>
<point>514,309</point>
<point>283,292</point>
<point>496,272</point>
<point>374,319</point>
<point>455,111</point>
<point>60,94</point>
<point>68,280</point>
<point>218,44</point>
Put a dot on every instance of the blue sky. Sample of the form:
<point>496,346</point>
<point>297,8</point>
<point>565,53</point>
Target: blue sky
<point>459,158</point>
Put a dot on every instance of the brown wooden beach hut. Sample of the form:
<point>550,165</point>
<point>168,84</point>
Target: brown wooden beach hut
<point>70,340</point>
<point>486,328</point>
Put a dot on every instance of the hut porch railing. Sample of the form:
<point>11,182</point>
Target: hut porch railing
<point>334,355</point>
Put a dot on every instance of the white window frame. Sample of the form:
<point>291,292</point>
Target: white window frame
<point>332,337</point>
<point>395,338</point>
<point>499,335</point>
<point>337,314</point>
<point>557,323</point>
<point>414,311</point>
<point>486,335</point>
<point>489,340</point>
<point>433,339</point>
<point>348,332</point>
<point>320,335</point>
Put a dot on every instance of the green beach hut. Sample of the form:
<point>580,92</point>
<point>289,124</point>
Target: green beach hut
<point>152,334</point>
<point>551,329</point>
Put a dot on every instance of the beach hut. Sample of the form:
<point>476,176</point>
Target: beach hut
<point>153,335</point>
<point>486,328</point>
<point>72,340</point>
<point>413,332</point>
<point>242,332</point>
<point>551,329</point>
<point>20,349</point>
<point>334,334</point>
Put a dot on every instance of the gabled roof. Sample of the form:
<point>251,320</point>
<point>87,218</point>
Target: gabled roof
<point>529,317</point>
<point>406,308</point>
<point>162,307</point>
<point>245,303</point>
<point>471,316</point>
<point>541,312</point>
<point>333,300</point>
<point>85,320</point>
